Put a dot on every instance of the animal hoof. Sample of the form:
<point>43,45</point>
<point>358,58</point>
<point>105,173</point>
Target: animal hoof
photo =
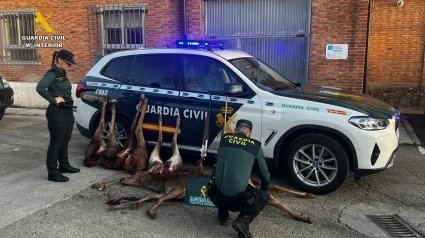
<point>134,206</point>
<point>151,214</point>
<point>310,195</point>
<point>102,187</point>
<point>304,218</point>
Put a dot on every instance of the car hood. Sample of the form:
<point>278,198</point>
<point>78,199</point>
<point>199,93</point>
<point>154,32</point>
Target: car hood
<point>366,104</point>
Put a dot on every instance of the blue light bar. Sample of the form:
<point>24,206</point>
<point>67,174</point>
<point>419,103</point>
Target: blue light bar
<point>192,44</point>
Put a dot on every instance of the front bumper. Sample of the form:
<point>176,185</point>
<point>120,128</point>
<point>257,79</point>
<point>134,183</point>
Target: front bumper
<point>365,172</point>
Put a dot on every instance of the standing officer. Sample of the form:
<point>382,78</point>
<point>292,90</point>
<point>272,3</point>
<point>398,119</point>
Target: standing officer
<point>229,188</point>
<point>56,89</point>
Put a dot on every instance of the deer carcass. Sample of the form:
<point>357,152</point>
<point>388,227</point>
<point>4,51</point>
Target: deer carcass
<point>95,146</point>
<point>174,187</point>
<point>137,160</point>
<point>122,155</point>
<point>109,154</point>
<point>174,162</point>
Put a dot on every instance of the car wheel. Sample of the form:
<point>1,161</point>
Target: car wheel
<point>316,163</point>
<point>2,113</point>
<point>121,131</point>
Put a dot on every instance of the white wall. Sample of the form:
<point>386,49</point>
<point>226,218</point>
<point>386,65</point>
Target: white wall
<point>27,96</point>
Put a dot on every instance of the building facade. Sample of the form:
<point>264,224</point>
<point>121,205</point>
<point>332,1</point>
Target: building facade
<point>385,42</point>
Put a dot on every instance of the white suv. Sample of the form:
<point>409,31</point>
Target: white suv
<point>316,135</point>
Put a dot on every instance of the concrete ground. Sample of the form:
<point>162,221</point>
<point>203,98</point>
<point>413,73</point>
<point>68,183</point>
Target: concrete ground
<point>31,206</point>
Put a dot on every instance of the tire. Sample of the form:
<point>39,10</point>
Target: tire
<point>334,178</point>
<point>121,128</point>
<point>2,113</point>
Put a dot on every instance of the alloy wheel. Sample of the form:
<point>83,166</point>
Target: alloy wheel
<point>315,165</point>
<point>119,132</point>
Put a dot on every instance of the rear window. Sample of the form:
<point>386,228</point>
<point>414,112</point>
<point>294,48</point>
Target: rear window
<point>118,68</point>
<point>152,70</point>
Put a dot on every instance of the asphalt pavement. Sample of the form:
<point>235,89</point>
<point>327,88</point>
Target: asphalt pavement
<point>31,206</point>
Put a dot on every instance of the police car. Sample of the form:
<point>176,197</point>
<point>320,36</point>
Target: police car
<point>315,135</point>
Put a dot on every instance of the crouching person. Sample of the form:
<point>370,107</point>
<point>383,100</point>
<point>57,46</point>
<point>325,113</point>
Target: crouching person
<point>229,189</point>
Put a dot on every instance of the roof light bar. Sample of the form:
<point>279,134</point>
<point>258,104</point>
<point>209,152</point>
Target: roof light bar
<point>196,44</point>
<point>192,44</point>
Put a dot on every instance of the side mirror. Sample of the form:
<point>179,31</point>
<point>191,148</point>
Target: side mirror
<point>233,88</point>
<point>297,83</point>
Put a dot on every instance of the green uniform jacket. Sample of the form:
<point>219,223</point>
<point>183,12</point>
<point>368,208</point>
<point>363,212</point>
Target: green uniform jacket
<point>235,159</point>
<point>54,84</point>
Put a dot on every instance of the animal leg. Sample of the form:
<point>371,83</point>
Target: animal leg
<point>175,162</point>
<point>172,194</point>
<point>155,162</point>
<point>275,188</point>
<point>276,203</point>
<point>147,198</point>
<point>127,148</point>
<point>103,186</point>
<point>131,181</point>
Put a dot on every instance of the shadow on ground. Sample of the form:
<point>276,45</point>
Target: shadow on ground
<point>417,121</point>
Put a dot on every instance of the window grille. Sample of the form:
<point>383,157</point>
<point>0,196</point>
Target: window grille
<point>14,24</point>
<point>122,27</point>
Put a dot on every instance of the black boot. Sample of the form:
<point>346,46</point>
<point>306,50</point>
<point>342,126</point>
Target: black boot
<point>68,169</point>
<point>241,225</point>
<point>57,177</point>
<point>223,216</point>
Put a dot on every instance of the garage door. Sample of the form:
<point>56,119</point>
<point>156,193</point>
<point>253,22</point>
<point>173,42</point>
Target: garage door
<point>275,31</point>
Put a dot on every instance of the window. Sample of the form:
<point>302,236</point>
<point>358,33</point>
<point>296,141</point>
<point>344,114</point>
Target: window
<point>14,25</point>
<point>122,27</point>
<point>203,74</point>
<point>152,70</point>
<point>262,75</point>
<point>118,68</point>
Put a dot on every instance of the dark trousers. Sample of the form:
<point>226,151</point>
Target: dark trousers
<point>249,202</point>
<point>60,121</point>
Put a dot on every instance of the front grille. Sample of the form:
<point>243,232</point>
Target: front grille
<point>394,226</point>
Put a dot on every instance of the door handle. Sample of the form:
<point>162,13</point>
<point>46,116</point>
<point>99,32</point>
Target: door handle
<point>127,92</point>
<point>269,104</point>
<point>251,102</point>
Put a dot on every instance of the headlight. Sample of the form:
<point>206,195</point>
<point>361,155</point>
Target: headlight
<point>5,83</point>
<point>370,124</point>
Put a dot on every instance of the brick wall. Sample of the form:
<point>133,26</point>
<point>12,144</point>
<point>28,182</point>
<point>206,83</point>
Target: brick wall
<point>339,22</point>
<point>74,19</point>
<point>396,51</point>
<point>195,18</point>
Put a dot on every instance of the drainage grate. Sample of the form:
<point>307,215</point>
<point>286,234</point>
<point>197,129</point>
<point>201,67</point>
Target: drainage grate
<point>394,226</point>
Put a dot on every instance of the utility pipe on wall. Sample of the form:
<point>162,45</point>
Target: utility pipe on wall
<point>422,78</point>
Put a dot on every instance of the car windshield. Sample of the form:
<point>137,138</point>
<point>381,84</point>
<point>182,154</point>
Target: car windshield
<point>262,75</point>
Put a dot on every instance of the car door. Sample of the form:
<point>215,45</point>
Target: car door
<point>153,75</point>
<point>204,80</point>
